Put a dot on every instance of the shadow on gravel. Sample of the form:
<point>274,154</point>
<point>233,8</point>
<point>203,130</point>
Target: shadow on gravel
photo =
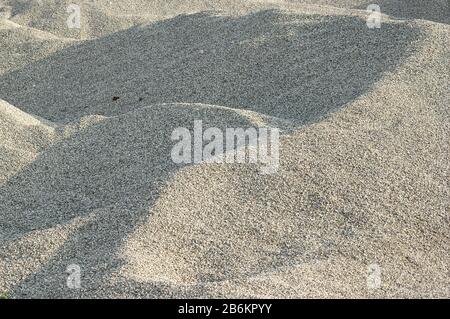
<point>110,174</point>
<point>294,67</point>
<point>289,66</point>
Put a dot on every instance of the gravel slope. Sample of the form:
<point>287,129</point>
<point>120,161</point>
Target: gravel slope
<point>87,179</point>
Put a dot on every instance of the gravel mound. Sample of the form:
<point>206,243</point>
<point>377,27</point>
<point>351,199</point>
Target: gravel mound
<point>87,179</point>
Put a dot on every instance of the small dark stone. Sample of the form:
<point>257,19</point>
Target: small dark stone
<point>115,98</point>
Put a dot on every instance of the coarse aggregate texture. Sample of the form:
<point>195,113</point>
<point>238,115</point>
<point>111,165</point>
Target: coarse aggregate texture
<point>87,179</point>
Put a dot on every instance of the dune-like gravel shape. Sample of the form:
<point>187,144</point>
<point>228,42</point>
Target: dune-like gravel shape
<point>86,137</point>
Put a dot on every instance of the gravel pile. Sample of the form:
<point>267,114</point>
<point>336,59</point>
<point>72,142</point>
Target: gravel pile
<point>87,179</point>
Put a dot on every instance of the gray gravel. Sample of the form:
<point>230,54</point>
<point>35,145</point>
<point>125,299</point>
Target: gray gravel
<point>86,176</point>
